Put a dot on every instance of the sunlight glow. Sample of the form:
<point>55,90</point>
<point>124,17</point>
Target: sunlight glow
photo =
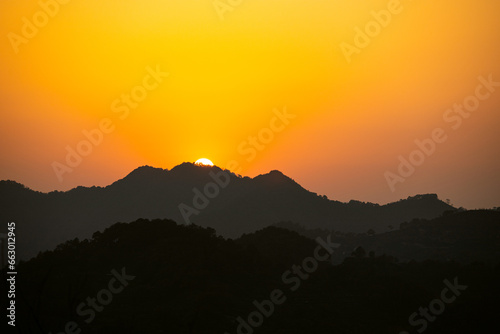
<point>204,162</point>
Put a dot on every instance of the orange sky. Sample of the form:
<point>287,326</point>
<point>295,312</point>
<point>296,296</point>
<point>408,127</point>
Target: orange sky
<point>230,71</point>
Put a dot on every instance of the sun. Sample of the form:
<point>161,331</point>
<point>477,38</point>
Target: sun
<point>204,162</point>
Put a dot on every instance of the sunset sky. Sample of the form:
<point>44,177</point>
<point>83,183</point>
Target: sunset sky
<point>230,72</point>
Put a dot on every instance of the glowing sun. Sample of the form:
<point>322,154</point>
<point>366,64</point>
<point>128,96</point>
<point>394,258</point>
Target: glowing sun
<point>204,162</point>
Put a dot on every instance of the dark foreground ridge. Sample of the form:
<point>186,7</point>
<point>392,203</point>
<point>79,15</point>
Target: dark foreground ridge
<point>160,277</point>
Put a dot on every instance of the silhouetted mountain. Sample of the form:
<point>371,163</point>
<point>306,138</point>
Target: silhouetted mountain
<point>160,277</point>
<point>464,237</point>
<point>244,205</point>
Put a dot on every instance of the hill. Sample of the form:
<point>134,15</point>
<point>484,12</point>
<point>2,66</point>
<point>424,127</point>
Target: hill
<point>160,277</point>
<point>184,194</point>
<point>462,236</point>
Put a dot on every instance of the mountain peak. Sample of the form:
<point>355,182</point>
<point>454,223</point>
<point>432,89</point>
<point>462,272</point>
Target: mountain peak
<point>10,186</point>
<point>145,171</point>
<point>190,168</point>
<point>417,197</point>
<point>186,166</point>
<point>141,176</point>
<point>275,177</point>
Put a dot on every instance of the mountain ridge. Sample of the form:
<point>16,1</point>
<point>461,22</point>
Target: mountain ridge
<point>245,205</point>
<point>186,279</point>
<point>142,170</point>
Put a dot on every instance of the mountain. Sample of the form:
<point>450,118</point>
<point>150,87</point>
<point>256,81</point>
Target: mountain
<point>188,193</point>
<point>462,236</point>
<point>160,277</point>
